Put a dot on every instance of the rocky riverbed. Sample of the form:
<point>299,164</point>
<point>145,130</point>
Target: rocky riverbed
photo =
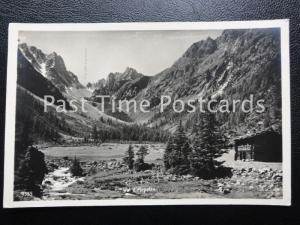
<point>56,182</point>
<point>108,179</point>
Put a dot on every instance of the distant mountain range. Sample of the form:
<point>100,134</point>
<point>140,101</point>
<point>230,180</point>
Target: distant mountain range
<point>39,75</point>
<point>233,66</point>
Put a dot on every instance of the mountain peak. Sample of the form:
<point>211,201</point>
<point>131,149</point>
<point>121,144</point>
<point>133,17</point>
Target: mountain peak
<point>201,48</point>
<point>115,82</point>
<point>130,74</point>
<point>51,66</point>
<point>53,54</point>
<point>129,70</point>
<point>229,36</point>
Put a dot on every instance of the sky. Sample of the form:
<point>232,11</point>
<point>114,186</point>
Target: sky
<point>149,52</point>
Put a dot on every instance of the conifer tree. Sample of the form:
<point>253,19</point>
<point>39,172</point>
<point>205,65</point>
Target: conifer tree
<point>140,164</point>
<point>141,153</point>
<point>178,152</point>
<point>207,146</point>
<point>95,133</point>
<point>129,157</point>
<point>167,153</point>
<point>76,169</point>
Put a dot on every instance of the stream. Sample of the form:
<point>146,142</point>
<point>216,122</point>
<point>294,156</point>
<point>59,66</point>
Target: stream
<point>57,181</point>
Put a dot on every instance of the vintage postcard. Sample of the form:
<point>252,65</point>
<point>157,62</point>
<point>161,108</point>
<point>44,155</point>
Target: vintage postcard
<point>180,113</point>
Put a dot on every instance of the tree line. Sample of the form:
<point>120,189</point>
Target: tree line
<point>134,132</point>
<point>197,155</point>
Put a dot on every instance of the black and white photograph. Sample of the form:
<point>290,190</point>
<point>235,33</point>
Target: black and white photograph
<point>148,114</point>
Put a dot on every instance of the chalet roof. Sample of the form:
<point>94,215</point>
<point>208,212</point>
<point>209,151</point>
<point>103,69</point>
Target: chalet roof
<point>251,137</point>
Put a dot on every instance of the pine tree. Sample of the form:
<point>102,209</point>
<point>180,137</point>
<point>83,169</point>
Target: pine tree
<point>140,164</point>
<point>129,157</point>
<point>207,146</point>
<point>179,152</point>
<point>76,169</point>
<point>167,154</point>
<point>141,153</point>
<point>186,151</point>
<point>95,133</point>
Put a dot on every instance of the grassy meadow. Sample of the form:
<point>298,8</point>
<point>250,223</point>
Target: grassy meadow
<point>105,151</point>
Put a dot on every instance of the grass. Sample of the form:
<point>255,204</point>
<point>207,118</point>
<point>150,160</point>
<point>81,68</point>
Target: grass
<point>105,151</point>
<point>115,183</point>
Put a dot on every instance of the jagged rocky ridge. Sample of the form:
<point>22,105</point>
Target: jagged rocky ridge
<point>34,82</point>
<point>233,66</point>
<point>69,125</point>
<point>124,85</point>
<point>51,66</point>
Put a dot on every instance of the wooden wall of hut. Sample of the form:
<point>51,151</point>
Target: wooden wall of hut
<point>265,146</point>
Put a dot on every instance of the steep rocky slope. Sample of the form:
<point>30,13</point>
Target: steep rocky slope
<point>52,67</point>
<point>39,75</point>
<point>237,64</point>
<point>210,67</point>
<point>34,82</point>
<point>122,85</point>
<point>233,66</point>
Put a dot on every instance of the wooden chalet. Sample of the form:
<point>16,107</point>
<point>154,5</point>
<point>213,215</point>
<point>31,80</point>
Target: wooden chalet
<point>264,146</point>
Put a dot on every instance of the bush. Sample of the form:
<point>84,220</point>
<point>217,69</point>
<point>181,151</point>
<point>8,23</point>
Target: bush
<point>180,170</point>
<point>141,166</point>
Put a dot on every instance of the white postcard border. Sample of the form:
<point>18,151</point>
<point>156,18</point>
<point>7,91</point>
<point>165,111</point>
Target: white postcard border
<point>14,29</point>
